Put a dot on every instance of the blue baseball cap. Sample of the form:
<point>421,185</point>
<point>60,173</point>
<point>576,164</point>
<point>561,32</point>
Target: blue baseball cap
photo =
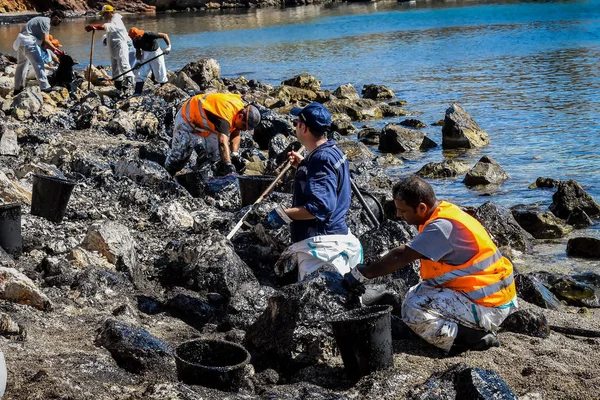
<point>314,115</point>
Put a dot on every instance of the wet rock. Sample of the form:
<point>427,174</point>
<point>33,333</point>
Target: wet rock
<point>304,81</point>
<point>487,171</point>
<point>579,219</point>
<point>135,349</point>
<point>113,241</point>
<point>184,82</point>
<point>461,131</point>
<point>385,384</point>
<point>247,305</point>
<point>277,145</point>
<point>189,307</point>
<point>87,165</point>
<point>210,219</point>
<point>142,171</point>
<point>343,127</point>
<point>570,197</point>
<point>502,226</point>
<point>18,288</point>
<point>263,380</point>
<point>293,329</point>
<point>544,183</point>
<point>174,216</point>
<point>444,169</point>
<point>413,123</point>
<point>391,111</point>
<point>271,124</point>
<point>171,93</point>
<point>377,92</point>
<point>585,247</point>
<point>355,151</point>
<point>357,110</point>
<point>156,151</point>
<point>347,92</point>
<point>6,85</point>
<point>541,225</point>
<point>27,103</point>
<point>530,289</point>
<point>203,71</point>
<point>576,293</point>
<point>61,119</point>
<point>463,382</point>
<point>146,124</point>
<point>204,264</point>
<point>527,322</point>
<point>8,142</point>
<point>301,390</point>
<point>369,136</point>
<point>395,139</point>
<point>292,94</point>
<point>12,192</point>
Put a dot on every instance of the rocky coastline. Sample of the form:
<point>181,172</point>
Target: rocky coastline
<point>93,307</point>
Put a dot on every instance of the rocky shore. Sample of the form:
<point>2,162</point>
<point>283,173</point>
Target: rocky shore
<point>93,307</point>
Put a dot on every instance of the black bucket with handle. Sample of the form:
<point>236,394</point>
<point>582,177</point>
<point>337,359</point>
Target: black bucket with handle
<point>212,363</point>
<point>50,197</point>
<point>252,186</point>
<point>364,337</point>
<point>10,228</point>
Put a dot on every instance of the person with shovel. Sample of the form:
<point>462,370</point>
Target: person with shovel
<point>213,122</point>
<point>322,196</point>
<point>26,45</point>
<point>116,38</point>
<point>149,53</point>
<point>468,287</point>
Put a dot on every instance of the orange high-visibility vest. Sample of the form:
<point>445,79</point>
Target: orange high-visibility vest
<point>223,105</point>
<point>486,279</point>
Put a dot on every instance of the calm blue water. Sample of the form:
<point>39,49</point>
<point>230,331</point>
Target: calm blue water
<point>528,72</point>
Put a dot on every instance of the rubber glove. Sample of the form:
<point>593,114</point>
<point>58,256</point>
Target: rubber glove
<point>225,168</point>
<point>93,27</point>
<point>278,218</point>
<point>238,161</point>
<point>167,50</point>
<point>354,280</point>
<point>58,52</point>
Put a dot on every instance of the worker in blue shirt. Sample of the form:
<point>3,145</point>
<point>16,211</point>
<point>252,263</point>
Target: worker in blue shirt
<point>322,195</point>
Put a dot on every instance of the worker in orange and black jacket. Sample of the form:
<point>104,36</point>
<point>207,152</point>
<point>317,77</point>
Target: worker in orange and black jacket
<point>467,287</point>
<point>213,122</point>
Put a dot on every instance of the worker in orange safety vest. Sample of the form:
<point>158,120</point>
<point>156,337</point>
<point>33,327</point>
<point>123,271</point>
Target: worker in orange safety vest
<point>213,122</point>
<point>467,287</point>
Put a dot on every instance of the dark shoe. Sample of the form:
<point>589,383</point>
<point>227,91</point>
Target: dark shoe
<point>473,339</point>
<point>47,90</point>
<point>17,91</point>
<point>139,86</point>
<point>119,85</point>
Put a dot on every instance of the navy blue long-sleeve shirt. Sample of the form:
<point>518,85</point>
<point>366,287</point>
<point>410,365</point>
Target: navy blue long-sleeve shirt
<point>322,187</point>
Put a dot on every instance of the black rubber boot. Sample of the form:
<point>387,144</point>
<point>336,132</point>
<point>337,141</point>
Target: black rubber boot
<point>139,86</point>
<point>119,85</point>
<point>473,339</point>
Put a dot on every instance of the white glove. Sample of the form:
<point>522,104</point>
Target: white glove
<point>167,50</point>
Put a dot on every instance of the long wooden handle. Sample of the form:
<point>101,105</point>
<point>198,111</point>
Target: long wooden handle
<point>91,56</point>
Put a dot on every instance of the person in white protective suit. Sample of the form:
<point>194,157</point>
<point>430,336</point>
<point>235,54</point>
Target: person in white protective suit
<point>36,30</point>
<point>146,46</point>
<point>130,47</point>
<point>116,39</point>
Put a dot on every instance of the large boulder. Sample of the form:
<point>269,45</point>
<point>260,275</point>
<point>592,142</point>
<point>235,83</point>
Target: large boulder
<point>12,192</point>
<point>527,322</point>
<point>142,171</point>
<point>485,172</point>
<point>585,247</point>
<point>541,224</point>
<point>113,241</point>
<point>18,288</point>
<point>171,93</point>
<point>444,169</point>
<point>571,197</point>
<point>502,227</point>
<point>293,330</point>
<point>396,139</point>
<point>304,81</point>
<point>205,263</point>
<point>135,349</point>
<point>530,289</point>
<point>293,94</point>
<point>27,103</point>
<point>203,71</point>
<point>377,92</point>
<point>355,151</point>
<point>347,92</point>
<point>357,110</point>
<point>461,131</point>
<point>184,82</point>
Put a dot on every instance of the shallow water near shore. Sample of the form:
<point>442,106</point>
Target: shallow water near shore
<point>527,72</point>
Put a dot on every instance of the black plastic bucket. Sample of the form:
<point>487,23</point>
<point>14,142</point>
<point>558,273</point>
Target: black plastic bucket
<point>10,228</point>
<point>50,197</point>
<point>194,182</point>
<point>364,337</point>
<point>374,205</point>
<point>212,363</point>
<point>252,186</point>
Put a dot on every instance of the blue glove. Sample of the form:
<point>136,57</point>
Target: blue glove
<point>354,280</point>
<point>278,218</point>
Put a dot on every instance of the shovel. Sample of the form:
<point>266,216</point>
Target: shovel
<point>91,56</point>
<point>137,66</point>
